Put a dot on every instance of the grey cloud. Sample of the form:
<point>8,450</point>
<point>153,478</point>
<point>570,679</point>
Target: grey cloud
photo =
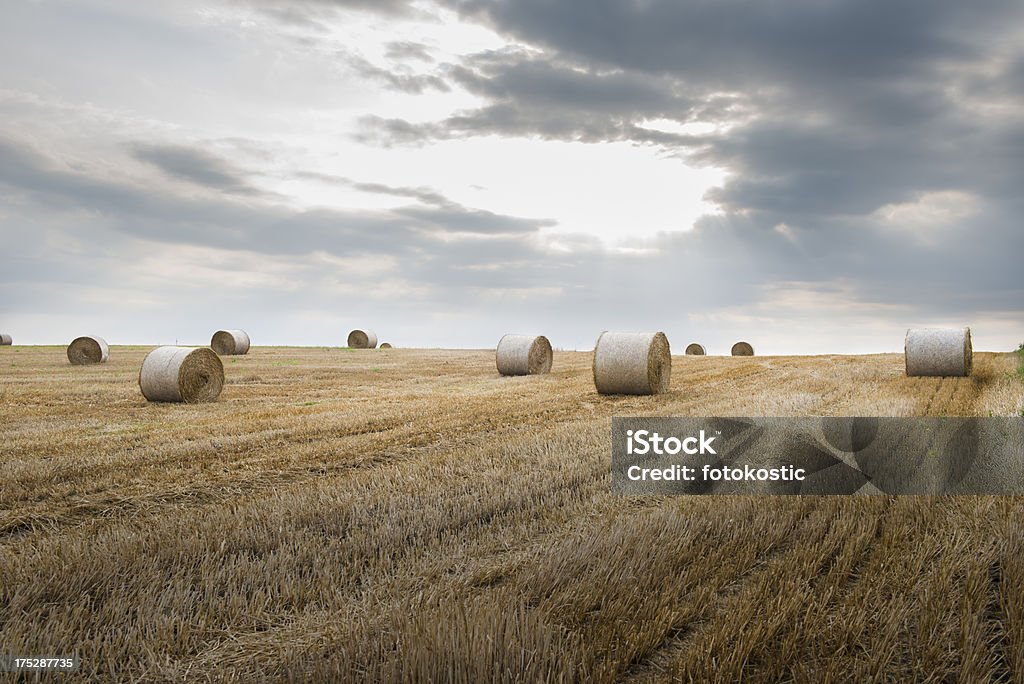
<point>509,119</point>
<point>311,12</point>
<point>425,195</point>
<point>397,78</point>
<point>443,213</point>
<point>794,171</point>
<point>408,50</point>
<point>837,107</point>
<point>961,270</point>
<point>723,265</point>
<point>386,131</point>
<point>195,166</point>
<point>310,18</point>
<point>462,220</point>
<point>1013,78</point>
<point>535,81</point>
<point>456,252</point>
<point>743,42</point>
<point>530,95</point>
<point>316,16</point>
<point>148,212</point>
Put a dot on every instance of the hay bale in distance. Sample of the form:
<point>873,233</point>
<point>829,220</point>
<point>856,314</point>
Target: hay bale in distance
<point>362,339</point>
<point>938,352</point>
<point>86,350</point>
<point>695,349</point>
<point>742,349</point>
<point>230,342</point>
<point>5,340</point>
<point>385,345</point>
<point>189,374</point>
<point>523,355</point>
<point>632,363</point>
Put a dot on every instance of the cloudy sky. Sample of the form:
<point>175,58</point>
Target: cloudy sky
<point>813,176</point>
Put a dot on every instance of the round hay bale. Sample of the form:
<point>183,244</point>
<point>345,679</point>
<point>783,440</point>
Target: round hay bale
<point>230,342</point>
<point>89,349</point>
<point>695,349</point>
<point>5,339</point>
<point>742,349</point>
<point>189,374</point>
<point>523,355</point>
<point>362,339</point>
<point>938,351</point>
<point>632,363</point>
<point>385,345</point>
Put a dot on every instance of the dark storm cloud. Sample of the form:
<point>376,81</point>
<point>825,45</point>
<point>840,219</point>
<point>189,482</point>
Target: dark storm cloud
<point>729,43</point>
<point>798,172</point>
<point>837,107</point>
<point>195,166</point>
<point>838,110</point>
<point>531,95</point>
<point>538,82</point>
<point>842,114</point>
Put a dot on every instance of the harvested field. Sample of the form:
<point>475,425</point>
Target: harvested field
<point>342,514</point>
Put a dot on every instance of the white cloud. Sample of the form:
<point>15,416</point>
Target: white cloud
<point>931,217</point>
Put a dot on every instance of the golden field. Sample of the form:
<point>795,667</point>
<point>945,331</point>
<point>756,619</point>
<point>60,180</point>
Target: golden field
<point>410,515</point>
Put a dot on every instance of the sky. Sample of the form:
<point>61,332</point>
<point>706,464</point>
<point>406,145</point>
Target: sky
<point>812,176</point>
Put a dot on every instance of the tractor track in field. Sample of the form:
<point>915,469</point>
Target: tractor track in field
<point>678,641</point>
<point>451,510</point>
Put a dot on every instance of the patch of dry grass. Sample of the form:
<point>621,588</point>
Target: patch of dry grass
<point>413,516</point>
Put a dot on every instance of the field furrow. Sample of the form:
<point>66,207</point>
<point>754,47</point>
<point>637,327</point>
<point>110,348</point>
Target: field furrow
<point>410,515</point>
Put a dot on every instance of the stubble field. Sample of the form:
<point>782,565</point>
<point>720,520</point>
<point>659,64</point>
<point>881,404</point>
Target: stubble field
<point>410,515</point>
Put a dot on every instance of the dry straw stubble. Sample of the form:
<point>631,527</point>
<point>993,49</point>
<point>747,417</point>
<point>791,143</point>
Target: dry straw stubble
<point>230,342</point>
<point>189,374</point>
<point>523,355</point>
<point>695,349</point>
<point>216,543</point>
<point>632,363</point>
<point>87,350</point>
<point>938,352</point>
<point>742,349</point>
<point>362,339</point>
